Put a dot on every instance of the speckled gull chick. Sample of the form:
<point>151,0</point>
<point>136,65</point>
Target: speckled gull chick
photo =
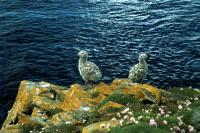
<point>139,71</point>
<point>88,70</point>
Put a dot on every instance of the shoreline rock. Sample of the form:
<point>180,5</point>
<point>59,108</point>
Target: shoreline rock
<point>41,106</point>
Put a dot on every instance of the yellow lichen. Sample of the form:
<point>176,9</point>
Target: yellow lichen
<point>109,105</point>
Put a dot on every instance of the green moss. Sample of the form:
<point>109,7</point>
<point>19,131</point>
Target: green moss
<point>119,98</point>
<point>184,93</point>
<point>52,112</point>
<point>111,110</point>
<point>138,128</point>
<point>63,129</point>
<point>28,128</point>
<point>195,118</point>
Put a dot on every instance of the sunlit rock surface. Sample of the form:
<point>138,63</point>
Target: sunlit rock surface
<point>44,107</point>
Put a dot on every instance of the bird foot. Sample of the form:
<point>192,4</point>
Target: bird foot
<point>88,85</point>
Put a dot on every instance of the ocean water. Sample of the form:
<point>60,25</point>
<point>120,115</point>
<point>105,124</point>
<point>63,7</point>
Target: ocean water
<point>40,39</point>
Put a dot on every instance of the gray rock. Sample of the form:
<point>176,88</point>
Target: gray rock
<point>139,71</point>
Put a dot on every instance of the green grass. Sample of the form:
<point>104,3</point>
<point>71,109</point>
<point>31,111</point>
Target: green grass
<point>138,128</point>
<point>119,98</point>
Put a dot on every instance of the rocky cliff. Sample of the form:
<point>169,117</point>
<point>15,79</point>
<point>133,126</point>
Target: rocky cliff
<point>121,107</point>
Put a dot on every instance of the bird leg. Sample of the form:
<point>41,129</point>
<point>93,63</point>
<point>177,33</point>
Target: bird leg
<point>88,84</point>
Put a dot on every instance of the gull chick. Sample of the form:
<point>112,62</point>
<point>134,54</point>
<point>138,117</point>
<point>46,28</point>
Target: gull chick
<point>139,71</point>
<point>88,70</point>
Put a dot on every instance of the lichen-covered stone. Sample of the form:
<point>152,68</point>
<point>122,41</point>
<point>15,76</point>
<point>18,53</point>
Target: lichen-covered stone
<point>38,102</point>
<point>12,129</point>
<point>110,105</point>
<point>41,105</point>
<point>31,121</point>
<point>120,81</point>
<point>142,91</point>
<point>38,112</point>
<point>22,101</point>
<point>103,88</point>
<point>63,117</point>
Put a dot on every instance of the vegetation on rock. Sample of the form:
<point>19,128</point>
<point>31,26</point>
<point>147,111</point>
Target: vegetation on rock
<point>121,107</point>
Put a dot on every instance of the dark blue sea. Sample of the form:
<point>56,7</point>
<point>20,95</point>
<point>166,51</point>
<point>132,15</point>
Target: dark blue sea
<point>40,39</point>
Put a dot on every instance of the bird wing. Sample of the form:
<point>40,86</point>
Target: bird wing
<point>133,69</point>
<point>133,73</point>
<point>93,68</point>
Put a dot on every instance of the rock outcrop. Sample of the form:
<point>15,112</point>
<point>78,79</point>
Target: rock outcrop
<point>41,106</point>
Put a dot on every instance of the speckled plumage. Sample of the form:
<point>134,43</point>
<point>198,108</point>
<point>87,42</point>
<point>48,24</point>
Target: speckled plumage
<point>139,71</point>
<point>88,70</point>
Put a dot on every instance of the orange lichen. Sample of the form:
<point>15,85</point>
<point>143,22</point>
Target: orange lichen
<point>137,91</point>
<point>71,102</point>
<point>99,98</point>
<point>120,81</point>
<point>154,90</point>
<point>77,90</point>
<point>103,88</point>
<point>22,100</point>
<point>36,99</point>
<point>31,121</point>
<point>109,105</point>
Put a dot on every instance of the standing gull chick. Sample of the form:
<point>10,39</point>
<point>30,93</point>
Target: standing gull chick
<point>139,71</point>
<point>88,70</point>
